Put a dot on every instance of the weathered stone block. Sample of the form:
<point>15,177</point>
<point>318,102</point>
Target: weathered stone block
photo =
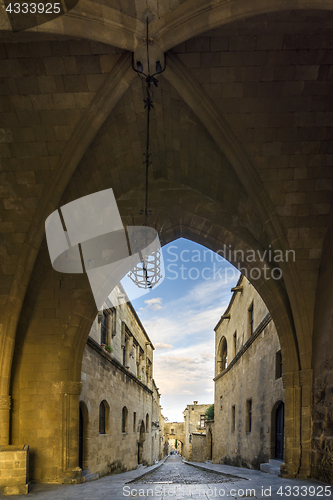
<point>14,466</point>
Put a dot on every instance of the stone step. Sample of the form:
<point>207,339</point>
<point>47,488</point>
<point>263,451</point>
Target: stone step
<point>275,471</point>
<point>91,477</point>
<point>85,472</point>
<point>275,462</point>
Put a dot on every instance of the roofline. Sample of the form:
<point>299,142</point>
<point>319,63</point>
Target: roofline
<point>240,279</point>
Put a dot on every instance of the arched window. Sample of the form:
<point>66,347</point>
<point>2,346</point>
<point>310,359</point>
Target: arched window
<point>124,415</point>
<point>147,422</point>
<point>222,355</point>
<point>104,417</point>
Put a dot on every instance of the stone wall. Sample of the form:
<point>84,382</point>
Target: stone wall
<point>322,441</point>
<point>14,470</point>
<point>162,436</point>
<point>198,447</point>
<point>249,374</point>
<point>193,423</point>
<point>105,378</point>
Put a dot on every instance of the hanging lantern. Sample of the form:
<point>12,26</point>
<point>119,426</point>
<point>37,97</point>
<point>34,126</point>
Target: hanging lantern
<point>147,273</point>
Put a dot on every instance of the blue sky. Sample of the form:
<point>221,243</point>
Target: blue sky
<point>179,316</point>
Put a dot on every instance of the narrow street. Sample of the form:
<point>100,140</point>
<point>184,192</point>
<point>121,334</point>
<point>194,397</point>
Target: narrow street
<point>178,481</point>
<point>174,471</point>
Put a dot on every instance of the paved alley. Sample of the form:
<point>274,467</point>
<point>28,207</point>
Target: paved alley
<point>177,480</point>
<point>175,471</point>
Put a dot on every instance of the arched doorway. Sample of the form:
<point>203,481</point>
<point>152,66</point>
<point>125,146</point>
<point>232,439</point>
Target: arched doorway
<point>279,431</point>
<point>140,443</point>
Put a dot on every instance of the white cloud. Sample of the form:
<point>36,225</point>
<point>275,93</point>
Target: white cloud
<point>162,345</point>
<point>196,313</point>
<point>184,374</point>
<point>154,304</point>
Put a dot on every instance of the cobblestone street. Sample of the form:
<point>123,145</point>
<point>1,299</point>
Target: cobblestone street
<point>176,480</point>
<point>174,471</point>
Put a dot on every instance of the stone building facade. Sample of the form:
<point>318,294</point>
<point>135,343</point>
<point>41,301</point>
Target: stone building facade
<point>120,412</point>
<point>249,397</point>
<point>195,422</point>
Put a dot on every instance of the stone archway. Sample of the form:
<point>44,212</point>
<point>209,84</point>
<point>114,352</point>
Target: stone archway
<point>61,306</point>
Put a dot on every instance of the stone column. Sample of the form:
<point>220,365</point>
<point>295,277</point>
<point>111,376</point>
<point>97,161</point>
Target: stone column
<point>70,391</point>
<point>5,406</point>
<point>306,381</point>
<point>292,425</point>
<point>297,428</point>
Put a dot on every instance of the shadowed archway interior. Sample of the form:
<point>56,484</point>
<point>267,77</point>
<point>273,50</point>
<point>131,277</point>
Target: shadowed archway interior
<point>241,157</point>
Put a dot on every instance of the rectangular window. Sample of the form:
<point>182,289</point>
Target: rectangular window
<point>251,319</point>
<point>124,415</point>
<point>202,421</point>
<point>104,330</point>
<point>278,365</point>
<point>233,418</point>
<point>134,421</point>
<point>249,415</point>
<point>113,323</point>
<point>235,343</point>
<point>221,402</point>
